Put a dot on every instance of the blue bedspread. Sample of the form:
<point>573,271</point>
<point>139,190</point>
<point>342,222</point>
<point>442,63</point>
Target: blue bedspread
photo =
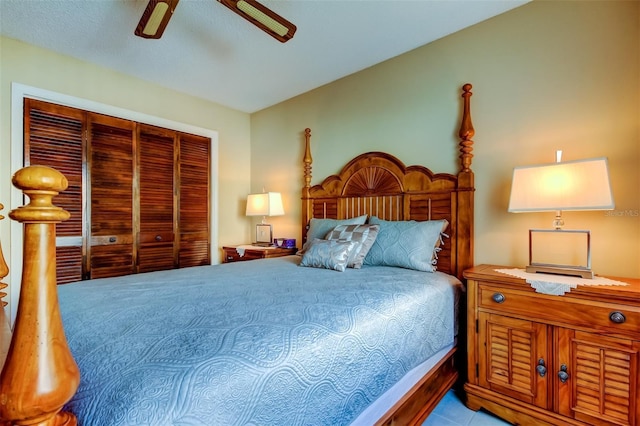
<point>264,342</point>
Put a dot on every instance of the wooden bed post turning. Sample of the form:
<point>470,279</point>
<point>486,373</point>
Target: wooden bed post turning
<point>5,332</point>
<point>4,271</point>
<point>306,204</point>
<point>466,188</point>
<point>39,375</point>
<point>466,130</point>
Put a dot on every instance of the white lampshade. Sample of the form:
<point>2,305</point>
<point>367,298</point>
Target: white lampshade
<point>568,185</point>
<point>265,204</point>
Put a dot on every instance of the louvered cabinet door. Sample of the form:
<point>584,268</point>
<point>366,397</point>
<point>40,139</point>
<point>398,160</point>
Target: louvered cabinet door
<point>194,200</point>
<point>111,167</point>
<point>601,378</point>
<point>53,136</point>
<point>156,199</point>
<point>509,359</point>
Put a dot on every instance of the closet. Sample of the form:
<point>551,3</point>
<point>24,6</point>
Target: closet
<point>138,194</point>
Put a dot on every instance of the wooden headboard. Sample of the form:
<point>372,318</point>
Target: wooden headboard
<point>378,184</point>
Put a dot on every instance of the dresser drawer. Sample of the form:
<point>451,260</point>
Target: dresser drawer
<point>562,310</point>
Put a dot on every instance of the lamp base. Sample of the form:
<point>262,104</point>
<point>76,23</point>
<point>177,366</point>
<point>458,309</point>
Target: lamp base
<point>582,273</point>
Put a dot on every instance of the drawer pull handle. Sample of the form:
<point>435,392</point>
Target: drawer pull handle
<point>541,369</point>
<point>562,374</point>
<point>617,317</point>
<point>158,238</point>
<point>112,239</point>
<point>498,297</point>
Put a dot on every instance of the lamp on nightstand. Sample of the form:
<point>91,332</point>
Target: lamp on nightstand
<point>568,185</point>
<point>264,204</point>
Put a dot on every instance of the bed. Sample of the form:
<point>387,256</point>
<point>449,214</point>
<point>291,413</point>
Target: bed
<point>336,335</point>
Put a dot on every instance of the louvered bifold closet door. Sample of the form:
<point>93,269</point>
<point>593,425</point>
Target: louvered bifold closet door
<point>53,136</point>
<point>194,200</point>
<point>111,169</point>
<point>157,205</point>
<point>602,375</point>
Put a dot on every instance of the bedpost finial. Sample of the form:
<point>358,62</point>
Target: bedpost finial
<point>39,374</point>
<point>466,130</point>
<point>41,184</point>
<point>307,160</point>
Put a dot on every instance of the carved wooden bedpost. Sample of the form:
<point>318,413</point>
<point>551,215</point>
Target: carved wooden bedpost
<point>306,204</point>
<point>464,251</point>
<point>40,374</point>
<point>5,332</point>
<point>4,271</point>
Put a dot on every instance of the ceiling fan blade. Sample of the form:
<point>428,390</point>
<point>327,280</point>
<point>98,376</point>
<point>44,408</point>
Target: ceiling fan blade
<point>263,18</point>
<point>155,18</point>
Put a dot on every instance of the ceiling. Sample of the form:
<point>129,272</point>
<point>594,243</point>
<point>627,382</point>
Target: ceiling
<point>210,52</point>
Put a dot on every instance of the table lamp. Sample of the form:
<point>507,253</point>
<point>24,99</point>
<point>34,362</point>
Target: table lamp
<point>568,185</point>
<point>264,204</point>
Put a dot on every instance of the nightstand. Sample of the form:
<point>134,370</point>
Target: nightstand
<point>562,360</point>
<point>255,252</point>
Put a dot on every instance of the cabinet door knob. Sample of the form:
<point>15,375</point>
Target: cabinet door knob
<point>562,374</point>
<point>498,297</point>
<point>541,369</point>
<point>617,317</point>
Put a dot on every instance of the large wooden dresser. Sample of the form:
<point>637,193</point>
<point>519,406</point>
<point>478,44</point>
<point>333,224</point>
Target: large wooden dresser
<point>538,359</point>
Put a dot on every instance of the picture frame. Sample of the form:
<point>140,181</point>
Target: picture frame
<point>264,234</point>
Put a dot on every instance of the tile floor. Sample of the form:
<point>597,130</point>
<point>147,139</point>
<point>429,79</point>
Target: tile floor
<point>452,412</point>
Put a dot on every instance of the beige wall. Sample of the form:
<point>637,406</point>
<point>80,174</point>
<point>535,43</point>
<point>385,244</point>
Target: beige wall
<point>32,66</point>
<point>546,76</point>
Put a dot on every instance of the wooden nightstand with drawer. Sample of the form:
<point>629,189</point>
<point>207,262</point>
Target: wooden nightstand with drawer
<point>562,360</point>
<point>231,253</point>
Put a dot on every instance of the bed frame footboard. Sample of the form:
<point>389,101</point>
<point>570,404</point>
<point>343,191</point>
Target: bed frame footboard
<point>39,374</point>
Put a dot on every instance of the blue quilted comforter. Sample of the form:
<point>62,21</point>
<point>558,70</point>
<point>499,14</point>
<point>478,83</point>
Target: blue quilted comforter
<point>264,342</point>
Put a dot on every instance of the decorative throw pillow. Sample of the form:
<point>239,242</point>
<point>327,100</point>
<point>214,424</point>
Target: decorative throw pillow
<point>406,244</point>
<point>364,235</point>
<point>328,254</point>
<point>318,228</point>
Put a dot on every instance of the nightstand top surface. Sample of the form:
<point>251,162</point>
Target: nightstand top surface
<point>489,273</point>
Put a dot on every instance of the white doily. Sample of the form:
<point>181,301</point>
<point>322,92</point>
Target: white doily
<point>556,285</point>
